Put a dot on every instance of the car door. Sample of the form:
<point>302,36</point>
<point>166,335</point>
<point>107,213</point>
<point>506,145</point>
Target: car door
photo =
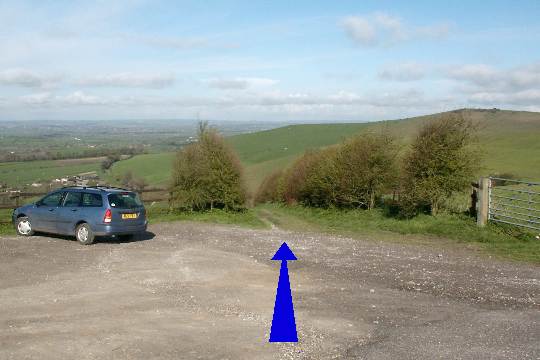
<point>69,213</point>
<point>46,211</point>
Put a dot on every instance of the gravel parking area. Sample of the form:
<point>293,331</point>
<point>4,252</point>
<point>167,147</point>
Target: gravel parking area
<point>198,291</point>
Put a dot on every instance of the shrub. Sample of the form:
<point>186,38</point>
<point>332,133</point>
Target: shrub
<point>441,162</point>
<point>109,161</point>
<point>366,168</point>
<point>350,175</point>
<point>299,182</point>
<point>207,175</point>
<point>320,189</point>
<point>133,182</point>
<point>271,189</point>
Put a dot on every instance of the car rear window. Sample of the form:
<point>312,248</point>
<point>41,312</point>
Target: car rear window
<point>124,200</point>
<point>92,200</point>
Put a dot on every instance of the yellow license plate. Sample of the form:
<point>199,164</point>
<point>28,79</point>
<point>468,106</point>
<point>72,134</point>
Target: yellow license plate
<point>129,216</point>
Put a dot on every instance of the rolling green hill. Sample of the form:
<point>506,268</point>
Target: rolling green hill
<point>287,141</point>
<point>19,174</point>
<point>510,140</point>
<point>154,168</point>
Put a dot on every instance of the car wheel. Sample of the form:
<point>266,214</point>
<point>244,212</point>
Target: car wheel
<point>84,234</point>
<point>24,227</point>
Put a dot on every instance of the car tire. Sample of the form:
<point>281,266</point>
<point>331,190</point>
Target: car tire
<point>24,227</point>
<point>84,234</point>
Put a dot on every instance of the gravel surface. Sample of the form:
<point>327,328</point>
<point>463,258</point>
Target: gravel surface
<point>197,291</point>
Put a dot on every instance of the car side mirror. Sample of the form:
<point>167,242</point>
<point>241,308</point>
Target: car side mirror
<point>38,203</point>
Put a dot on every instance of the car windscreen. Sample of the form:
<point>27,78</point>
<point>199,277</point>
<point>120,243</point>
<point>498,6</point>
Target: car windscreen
<point>124,200</point>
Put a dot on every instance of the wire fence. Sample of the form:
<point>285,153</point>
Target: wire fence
<point>514,202</point>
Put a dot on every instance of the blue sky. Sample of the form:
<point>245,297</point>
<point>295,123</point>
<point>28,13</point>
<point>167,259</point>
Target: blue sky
<point>266,60</point>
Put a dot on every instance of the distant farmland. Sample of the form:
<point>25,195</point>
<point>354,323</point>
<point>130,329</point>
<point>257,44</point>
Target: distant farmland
<point>510,140</point>
<point>18,174</point>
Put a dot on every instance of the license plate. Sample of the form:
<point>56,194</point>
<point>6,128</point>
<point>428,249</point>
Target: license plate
<point>129,216</point>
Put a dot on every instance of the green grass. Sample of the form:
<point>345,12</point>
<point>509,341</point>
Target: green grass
<point>154,168</point>
<point>159,213</point>
<point>506,242</point>
<point>508,138</point>
<point>256,173</point>
<point>288,141</point>
<point>6,229</point>
<point>18,174</point>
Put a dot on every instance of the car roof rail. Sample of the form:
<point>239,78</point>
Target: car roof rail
<point>119,188</point>
<point>103,187</point>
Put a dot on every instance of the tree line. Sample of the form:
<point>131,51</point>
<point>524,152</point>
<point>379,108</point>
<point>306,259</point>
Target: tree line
<point>43,154</point>
<point>365,171</point>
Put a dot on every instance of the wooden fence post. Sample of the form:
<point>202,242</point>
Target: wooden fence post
<point>482,206</point>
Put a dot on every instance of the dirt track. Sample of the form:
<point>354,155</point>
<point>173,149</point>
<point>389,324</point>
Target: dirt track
<point>199,291</point>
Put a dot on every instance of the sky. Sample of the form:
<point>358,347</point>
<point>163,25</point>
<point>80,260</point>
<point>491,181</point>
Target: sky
<point>265,60</point>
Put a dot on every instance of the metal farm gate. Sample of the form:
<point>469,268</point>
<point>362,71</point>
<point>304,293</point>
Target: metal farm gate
<point>514,202</point>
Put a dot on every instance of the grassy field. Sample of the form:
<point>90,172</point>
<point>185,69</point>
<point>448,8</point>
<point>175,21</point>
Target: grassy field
<point>505,242</point>
<point>159,213</point>
<point>509,140</point>
<point>289,141</point>
<point>6,229</point>
<point>154,168</point>
<point>18,174</point>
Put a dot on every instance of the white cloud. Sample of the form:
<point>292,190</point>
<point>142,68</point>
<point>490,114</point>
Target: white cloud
<point>404,72</point>
<point>157,81</point>
<point>80,98</point>
<point>361,30</point>
<point>76,98</point>
<point>479,84</point>
<point>37,99</point>
<point>486,85</point>
<point>479,74</point>
<point>482,77</point>
<point>525,97</point>
<point>26,78</point>
<point>271,99</point>
<point>240,83</point>
<point>381,29</point>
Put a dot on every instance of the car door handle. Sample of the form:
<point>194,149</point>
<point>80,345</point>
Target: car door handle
<point>73,210</point>
<point>51,209</point>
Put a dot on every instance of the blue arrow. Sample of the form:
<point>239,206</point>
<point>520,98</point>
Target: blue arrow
<point>283,324</point>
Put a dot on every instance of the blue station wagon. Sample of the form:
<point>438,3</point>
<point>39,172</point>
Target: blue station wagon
<point>84,212</point>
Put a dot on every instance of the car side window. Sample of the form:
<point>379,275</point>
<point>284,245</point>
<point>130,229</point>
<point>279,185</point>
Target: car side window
<point>52,199</point>
<point>92,200</point>
<point>73,199</point>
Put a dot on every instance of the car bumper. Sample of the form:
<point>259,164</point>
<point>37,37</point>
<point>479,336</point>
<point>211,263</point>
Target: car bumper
<point>108,230</point>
